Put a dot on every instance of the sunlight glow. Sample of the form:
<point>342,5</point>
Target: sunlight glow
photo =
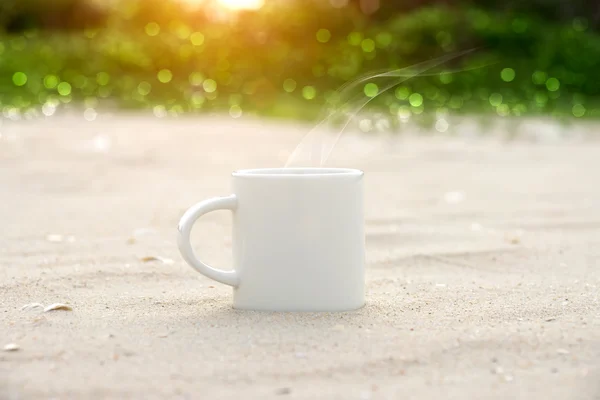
<point>242,4</point>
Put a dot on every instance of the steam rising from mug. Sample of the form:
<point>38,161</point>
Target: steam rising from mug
<point>316,146</point>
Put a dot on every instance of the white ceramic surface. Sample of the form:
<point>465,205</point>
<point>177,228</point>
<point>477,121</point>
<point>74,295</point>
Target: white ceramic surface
<point>298,239</point>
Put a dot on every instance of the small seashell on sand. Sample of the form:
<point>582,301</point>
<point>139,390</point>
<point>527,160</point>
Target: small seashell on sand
<point>152,258</point>
<point>58,306</point>
<point>31,306</point>
<point>12,347</point>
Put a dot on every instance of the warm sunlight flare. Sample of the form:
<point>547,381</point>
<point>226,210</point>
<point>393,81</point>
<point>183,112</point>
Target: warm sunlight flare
<point>242,4</point>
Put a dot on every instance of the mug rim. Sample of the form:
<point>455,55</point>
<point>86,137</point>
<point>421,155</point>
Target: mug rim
<point>297,172</point>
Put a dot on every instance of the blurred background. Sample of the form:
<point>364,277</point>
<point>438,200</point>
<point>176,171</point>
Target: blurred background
<point>286,58</point>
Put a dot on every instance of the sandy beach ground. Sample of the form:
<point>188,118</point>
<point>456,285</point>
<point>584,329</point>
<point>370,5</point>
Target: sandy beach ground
<point>483,259</point>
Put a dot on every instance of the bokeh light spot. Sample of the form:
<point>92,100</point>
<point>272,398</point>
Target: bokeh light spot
<point>495,99</point>
<point>519,109</point>
<point>181,30</point>
<point>404,113</point>
<point>48,109</point>
<point>402,93</point>
<point>197,38</point>
<point>446,78</point>
<point>507,74</point>
<point>382,124</point>
<point>368,45</point>
<point>19,78</point>
<point>455,102</point>
<point>159,111</point>
<point>102,78</point>
<point>355,38</point>
<point>323,35</point>
<point>144,88</point>
<point>553,84</point>
<point>209,85</point>
<point>152,29</point>
<point>503,110</point>
<point>441,125</point>
<point>578,110</point>
<point>365,125</point>
<point>371,90</point>
<point>64,88</point>
<point>415,99</point>
<point>235,111</point>
<point>539,77</point>
<point>289,85</point>
<point>90,114</point>
<point>541,98</point>
<point>383,39</point>
<point>198,99</point>
<point>196,78</point>
<point>309,92</point>
<point>164,76</point>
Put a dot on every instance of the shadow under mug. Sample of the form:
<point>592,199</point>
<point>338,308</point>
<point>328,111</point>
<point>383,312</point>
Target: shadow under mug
<point>298,239</point>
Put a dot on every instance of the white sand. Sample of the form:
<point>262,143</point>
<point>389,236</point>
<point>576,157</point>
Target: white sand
<point>483,267</point>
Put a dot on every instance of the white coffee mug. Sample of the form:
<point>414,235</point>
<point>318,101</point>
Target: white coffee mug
<point>298,239</point>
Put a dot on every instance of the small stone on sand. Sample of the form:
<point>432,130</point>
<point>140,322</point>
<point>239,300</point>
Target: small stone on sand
<point>284,390</point>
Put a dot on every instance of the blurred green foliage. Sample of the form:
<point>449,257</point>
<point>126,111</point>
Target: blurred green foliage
<point>288,60</point>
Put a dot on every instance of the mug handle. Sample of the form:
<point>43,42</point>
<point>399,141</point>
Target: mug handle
<point>184,228</point>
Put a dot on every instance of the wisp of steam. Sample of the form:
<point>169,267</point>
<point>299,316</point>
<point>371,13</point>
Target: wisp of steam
<point>316,146</point>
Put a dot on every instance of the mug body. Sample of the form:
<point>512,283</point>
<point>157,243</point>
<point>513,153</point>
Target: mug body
<point>298,239</point>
